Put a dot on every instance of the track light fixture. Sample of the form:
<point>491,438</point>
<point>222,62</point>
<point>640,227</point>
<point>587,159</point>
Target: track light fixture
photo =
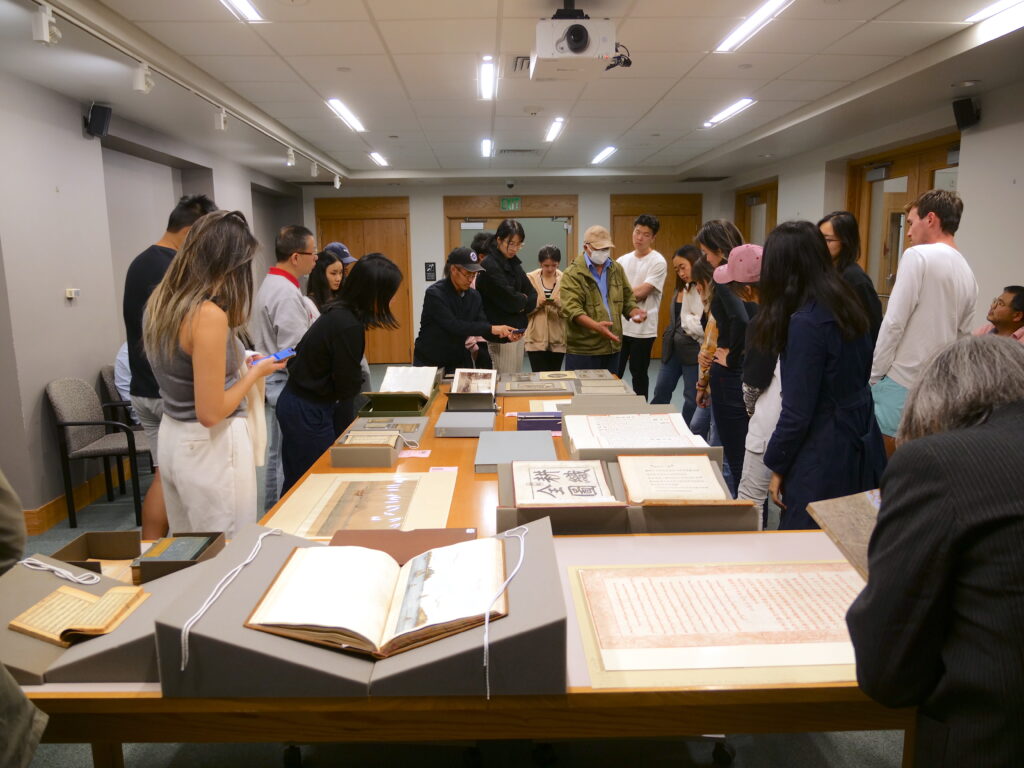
<point>314,170</point>
<point>44,26</point>
<point>337,181</point>
<point>220,120</point>
<point>290,158</point>
<point>142,80</point>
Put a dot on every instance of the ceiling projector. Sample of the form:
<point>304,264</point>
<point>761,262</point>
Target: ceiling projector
<point>576,48</point>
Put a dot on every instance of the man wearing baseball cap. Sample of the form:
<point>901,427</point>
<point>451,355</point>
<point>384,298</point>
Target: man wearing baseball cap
<point>595,297</point>
<point>453,312</point>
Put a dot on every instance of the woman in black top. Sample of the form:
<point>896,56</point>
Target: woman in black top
<point>507,293</point>
<point>452,313</point>
<point>842,236</point>
<point>326,368</point>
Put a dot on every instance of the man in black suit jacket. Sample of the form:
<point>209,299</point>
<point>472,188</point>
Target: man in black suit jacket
<point>941,622</point>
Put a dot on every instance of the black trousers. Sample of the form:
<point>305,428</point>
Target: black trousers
<point>545,360</point>
<point>637,352</point>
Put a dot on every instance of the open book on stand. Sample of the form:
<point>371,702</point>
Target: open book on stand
<point>361,600</point>
<point>68,615</point>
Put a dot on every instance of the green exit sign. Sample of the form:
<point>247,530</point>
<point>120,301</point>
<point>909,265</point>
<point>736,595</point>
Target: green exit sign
<point>511,203</point>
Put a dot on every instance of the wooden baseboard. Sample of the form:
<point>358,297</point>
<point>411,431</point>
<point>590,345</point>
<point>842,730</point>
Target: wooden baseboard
<point>45,517</point>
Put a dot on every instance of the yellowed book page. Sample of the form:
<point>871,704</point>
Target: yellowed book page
<point>336,587</point>
<point>325,503</point>
<point>630,431</point>
<point>471,380</point>
<point>55,612</point>
<point>548,406</point>
<point>721,615</point>
<point>110,610</point>
<point>560,484</point>
<point>404,378</point>
<point>371,437</point>
<point>447,584</point>
<point>670,478</point>
<point>557,375</point>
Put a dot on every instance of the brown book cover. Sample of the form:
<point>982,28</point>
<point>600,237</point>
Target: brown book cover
<point>849,521</point>
<point>402,545</point>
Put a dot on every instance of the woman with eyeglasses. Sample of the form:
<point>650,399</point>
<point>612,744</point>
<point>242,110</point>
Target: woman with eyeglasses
<point>508,295</point>
<point>190,330</point>
<point>842,236</point>
<point>452,314</point>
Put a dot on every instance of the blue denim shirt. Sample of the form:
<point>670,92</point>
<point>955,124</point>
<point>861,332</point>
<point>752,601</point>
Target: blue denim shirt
<point>602,280</point>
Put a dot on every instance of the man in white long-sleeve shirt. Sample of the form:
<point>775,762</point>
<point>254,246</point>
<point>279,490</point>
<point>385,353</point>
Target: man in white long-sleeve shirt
<point>931,305</point>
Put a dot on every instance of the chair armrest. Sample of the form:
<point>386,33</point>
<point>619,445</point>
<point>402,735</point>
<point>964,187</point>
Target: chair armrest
<point>116,403</point>
<point>114,424</point>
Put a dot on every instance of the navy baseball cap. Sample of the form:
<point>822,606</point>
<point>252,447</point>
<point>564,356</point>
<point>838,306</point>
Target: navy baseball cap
<point>465,258</point>
<point>340,251</point>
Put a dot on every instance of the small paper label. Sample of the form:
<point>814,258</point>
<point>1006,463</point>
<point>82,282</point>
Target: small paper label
<point>444,469</point>
<point>408,453</point>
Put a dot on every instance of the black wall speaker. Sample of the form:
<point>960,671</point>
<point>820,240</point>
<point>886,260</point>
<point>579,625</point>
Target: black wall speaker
<point>966,113</point>
<point>97,122</point>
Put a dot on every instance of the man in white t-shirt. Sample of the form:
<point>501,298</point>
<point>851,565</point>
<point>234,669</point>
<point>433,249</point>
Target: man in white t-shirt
<point>645,271</point>
<point>931,305</point>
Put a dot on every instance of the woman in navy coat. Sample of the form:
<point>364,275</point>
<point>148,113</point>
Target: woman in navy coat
<point>826,443</point>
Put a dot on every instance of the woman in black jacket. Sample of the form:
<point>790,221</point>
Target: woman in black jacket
<point>842,236</point>
<point>452,314</point>
<point>507,293</point>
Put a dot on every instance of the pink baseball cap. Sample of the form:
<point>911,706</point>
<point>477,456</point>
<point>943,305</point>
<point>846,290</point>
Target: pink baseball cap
<point>744,265</point>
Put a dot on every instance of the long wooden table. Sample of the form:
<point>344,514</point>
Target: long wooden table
<point>106,715</point>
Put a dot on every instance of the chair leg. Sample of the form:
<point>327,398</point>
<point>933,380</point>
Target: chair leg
<point>120,475</point>
<point>136,496</point>
<point>107,479</point>
<point>69,493</point>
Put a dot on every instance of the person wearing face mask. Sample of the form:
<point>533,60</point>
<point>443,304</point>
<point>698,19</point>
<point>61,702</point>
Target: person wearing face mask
<point>595,298</point>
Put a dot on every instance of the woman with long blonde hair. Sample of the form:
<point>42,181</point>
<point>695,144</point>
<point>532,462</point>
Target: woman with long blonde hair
<point>190,331</point>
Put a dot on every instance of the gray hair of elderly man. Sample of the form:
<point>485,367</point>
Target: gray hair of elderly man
<point>962,385</point>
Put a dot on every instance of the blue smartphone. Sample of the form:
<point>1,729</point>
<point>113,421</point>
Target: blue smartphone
<point>284,354</point>
<point>520,331</point>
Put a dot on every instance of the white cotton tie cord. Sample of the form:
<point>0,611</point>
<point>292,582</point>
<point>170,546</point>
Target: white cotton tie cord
<point>218,591</point>
<point>63,573</point>
<point>514,533</point>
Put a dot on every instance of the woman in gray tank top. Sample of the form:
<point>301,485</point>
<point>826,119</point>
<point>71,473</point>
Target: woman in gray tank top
<point>190,332</point>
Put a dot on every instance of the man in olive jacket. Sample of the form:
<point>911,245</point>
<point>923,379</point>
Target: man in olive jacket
<point>595,295</point>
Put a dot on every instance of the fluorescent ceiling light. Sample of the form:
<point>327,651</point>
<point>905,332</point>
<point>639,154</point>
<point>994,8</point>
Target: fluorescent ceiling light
<point>346,115</point>
<point>991,10</point>
<point>243,10</point>
<point>378,158</point>
<point>603,155</point>
<point>554,129</point>
<point>730,111</point>
<point>486,146</point>
<point>488,78</point>
<point>753,24</point>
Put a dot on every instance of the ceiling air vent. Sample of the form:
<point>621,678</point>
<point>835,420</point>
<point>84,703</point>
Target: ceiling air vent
<point>702,178</point>
<point>520,66</point>
<point>517,152</point>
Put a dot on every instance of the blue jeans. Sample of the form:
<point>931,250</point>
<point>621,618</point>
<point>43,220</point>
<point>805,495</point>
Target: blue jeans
<point>668,379</point>
<point>307,431</point>
<point>703,424</point>
<point>730,418</point>
<point>585,362</point>
<point>274,477</point>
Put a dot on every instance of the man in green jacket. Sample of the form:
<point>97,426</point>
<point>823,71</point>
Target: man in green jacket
<point>595,295</point>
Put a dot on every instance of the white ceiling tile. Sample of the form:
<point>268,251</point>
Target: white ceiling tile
<point>279,92</point>
<point>448,123</point>
<point>544,9</point>
<point>546,110</point>
<point>934,10</point>
<point>518,36</point>
<point>766,66</point>
<point>586,128</point>
<point>463,109</point>
<point>658,64</point>
<point>641,139</point>
<point>466,133</point>
<point>610,110</point>
<point>435,9</point>
<point>447,35</point>
<point>693,8</point>
<point>311,10</point>
<point>799,90</point>
<point>858,10</point>
<point>161,10</point>
<point>672,156</point>
<point>295,109</point>
<point>264,69</point>
<point>627,90</point>
<point>227,38</point>
<point>516,161</point>
<point>894,38</point>
<point>676,116</point>
<point>321,38</point>
<point>525,89</point>
<point>355,161</point>
<point>798,35</point>
<point>835,67</point>
<point>346,72</point>
<point>674,34</point>
<point>439,75</point>
<point>712,88</point>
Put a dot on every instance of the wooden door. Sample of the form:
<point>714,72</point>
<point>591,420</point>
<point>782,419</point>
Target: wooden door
<point>679,217</point>
<point>375,225</point>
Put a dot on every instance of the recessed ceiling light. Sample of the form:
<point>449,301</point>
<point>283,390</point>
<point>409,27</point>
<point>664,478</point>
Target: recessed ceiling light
<point>378,158</point>
<point>753,24</point>
<point>486,147</point>
<point>603,155</point>
<point>965,84</point>
<point>767,154</point>
<point>243,10</point>
<point>346,115</point>
<point>488,78</point>
<point>731,111</point>
<point>554,129</point>
<point>991,10</point>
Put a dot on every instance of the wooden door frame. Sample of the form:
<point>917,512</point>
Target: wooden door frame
<point>769,190</point>
<point>364,208</point>
<point>469,208</point>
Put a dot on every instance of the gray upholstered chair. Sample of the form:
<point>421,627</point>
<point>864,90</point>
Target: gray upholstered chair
<point>81,434</point>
